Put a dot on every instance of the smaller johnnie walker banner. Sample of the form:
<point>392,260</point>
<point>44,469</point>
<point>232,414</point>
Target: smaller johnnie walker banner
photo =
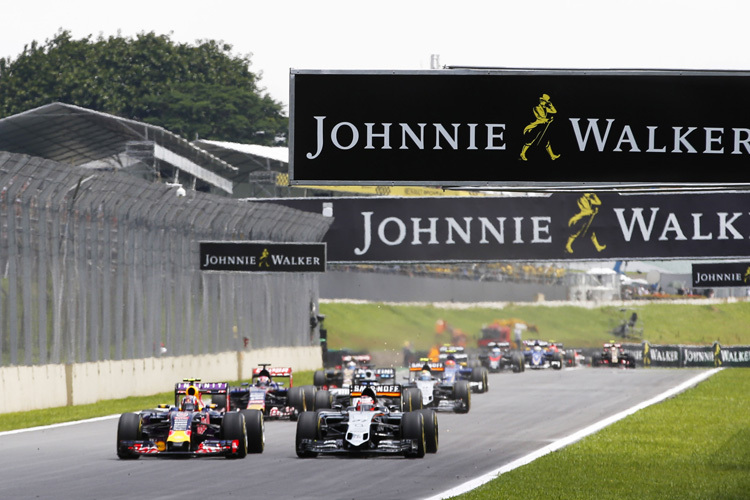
<point>560,226</point>
<point>263,257</point>
<point>721,274</point>
<point>506,127</point>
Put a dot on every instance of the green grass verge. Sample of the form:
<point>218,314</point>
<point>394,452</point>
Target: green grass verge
<point>36,418</point>
<point>379,326</point>
<point>693,446</point>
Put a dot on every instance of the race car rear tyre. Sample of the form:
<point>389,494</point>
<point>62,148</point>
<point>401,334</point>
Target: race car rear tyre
<point>308,427</point>
<point>233,428</point>
<point>323,400</point>
<point>308,392</point>
<point>557,361</point>
<point>129,428</point>
<point>430,430</point>
<point>220,400</point>
<point>411,399</point>
<point>296,399</point>
<point>519,363</point>
<point>319,378</point>
<point>412,427</point>
<point>255,431</point>
<point>461,392</point>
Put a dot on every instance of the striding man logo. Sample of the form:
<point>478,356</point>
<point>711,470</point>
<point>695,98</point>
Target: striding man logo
<point>580,223</point>
<point>263,261</point>
<point>537,133</point>
<point>746,275</point>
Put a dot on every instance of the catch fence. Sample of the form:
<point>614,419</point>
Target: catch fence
<point>105,266</point>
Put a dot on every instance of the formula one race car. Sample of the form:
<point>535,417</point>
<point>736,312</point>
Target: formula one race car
<point>501,357</point>
<point>427,387</point>
<point>341,396</point>
<point>367,428</point>
<point>540,354</point>
<point>191,428</point>
<point>613,354</point>
<point>276,399</point>
<point>341,376</point>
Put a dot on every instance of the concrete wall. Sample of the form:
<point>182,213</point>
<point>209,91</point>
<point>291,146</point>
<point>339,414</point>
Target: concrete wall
<point>38,387</point>
<point>380,287</point>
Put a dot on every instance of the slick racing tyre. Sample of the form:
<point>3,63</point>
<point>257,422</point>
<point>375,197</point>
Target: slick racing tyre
<point>323,400</point>
<point>296,399</point>
<point>307,428</point>
<point>220,400</point>
<point>462,396</point>
<point>430,430</point>
<point>411,399</point>
<point>479,374</point>
<point>233,428</point>
<point>319,378</point>
<point>412,427</point>
<point>519,363</point>
<point>255,430</point>
<point>129,428</point>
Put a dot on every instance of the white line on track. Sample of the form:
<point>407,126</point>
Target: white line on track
<point>54,426</point>
<point>577,436</point>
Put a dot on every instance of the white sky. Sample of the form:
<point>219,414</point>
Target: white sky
<point>402,34</point>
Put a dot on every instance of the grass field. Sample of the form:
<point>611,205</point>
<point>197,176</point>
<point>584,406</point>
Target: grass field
<point>693,446</point>
<point>374,326</point>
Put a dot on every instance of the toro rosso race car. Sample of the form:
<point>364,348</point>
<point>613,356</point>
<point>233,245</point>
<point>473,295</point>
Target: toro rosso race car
<point>429,386</point>
<point>367,427</point>
<point>191,428</point>
<point>274,398</point>
<point>613,354</point>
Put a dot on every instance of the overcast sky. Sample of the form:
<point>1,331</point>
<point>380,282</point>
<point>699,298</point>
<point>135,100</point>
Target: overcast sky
<point>403,34</point>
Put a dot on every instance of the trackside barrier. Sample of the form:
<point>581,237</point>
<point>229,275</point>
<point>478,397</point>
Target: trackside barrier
<point>687,356</point>
<point>49,386</point>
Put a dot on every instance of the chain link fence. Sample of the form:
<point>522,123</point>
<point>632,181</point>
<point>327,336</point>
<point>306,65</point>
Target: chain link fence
<point>105,266</point>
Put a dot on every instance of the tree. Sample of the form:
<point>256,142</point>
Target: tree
<point>200,90</point>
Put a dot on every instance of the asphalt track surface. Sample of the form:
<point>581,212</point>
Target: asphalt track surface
<point>521,413</point>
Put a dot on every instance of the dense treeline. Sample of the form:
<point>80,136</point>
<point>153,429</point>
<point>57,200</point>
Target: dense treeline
<point>201,90</point>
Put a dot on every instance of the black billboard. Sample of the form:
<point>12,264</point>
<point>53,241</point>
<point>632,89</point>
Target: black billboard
<point>519,127</point>
<point>262,257</point>
<point>555,227</point>
<point>729,274</point>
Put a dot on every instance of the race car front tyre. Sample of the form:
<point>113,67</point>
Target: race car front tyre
<point>411,399</point>
<point>430,430</point>
<point>519,363</point>
<point>129,428</point>
<point>233,428</point>
<point>412,427</point>
<point>462,395</point>
<point>255,430</point>
<point>323,400</point>
<point>307,428</point>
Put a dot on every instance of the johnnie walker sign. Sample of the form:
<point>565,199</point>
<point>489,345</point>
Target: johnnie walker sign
<point>495,127</point>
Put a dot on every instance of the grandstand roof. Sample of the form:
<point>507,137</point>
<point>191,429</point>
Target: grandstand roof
<point>87,138</point>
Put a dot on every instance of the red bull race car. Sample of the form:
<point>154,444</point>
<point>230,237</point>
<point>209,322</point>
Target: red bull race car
<point>190,427</point>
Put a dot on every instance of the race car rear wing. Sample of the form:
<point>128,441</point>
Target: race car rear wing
<point>194,387</point>
<point>273,372</point>
<point>430,365</point>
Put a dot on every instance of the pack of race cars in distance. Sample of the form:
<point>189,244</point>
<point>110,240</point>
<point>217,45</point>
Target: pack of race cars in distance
<point>613,354</point>
<point>190,427</point>
<point>272,392</point>
<point>368,426</point>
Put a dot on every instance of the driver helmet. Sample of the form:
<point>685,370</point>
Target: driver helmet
<point>450,363</point>
<point>425,375</point>
<point>365,403</point>
<point>189,403</point>
<point>351,365</point>
<point>263,381</point>
<point>496,350</point>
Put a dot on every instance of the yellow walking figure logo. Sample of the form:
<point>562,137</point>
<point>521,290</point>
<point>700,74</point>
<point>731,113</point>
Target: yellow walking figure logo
<point>263,261</point>
<point>537,132</point>
<point>580,223</point>
<point>746,276</point>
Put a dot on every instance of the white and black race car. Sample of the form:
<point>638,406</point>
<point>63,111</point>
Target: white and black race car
<point>367,427</point>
